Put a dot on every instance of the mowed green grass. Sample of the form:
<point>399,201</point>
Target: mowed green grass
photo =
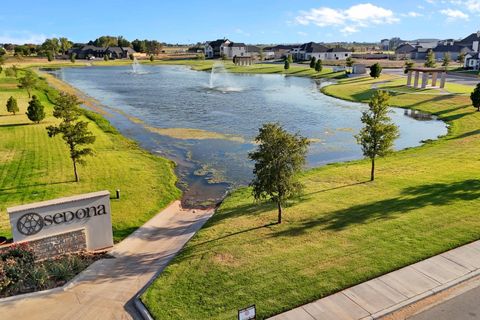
<point>34,167</point>
<point>342,231</point>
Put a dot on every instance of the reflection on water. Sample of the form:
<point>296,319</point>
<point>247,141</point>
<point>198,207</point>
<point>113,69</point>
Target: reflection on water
<point>177,97</point>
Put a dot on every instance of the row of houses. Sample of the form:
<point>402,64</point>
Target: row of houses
<point>468,47</point>
<point>90,52</point>
<point>226,48</point>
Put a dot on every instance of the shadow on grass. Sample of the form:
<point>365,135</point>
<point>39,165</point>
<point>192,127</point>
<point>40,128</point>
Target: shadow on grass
<point>10,125</point>
<point>36,185</point>
<point>466,134</point>
<point>436,194</point>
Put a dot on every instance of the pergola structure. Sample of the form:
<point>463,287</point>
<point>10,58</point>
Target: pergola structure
<point>426,72</point>
<point>243,61</point>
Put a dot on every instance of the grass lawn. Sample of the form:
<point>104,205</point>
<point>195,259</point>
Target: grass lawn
<point>34,167</point>
<point>342,231</point>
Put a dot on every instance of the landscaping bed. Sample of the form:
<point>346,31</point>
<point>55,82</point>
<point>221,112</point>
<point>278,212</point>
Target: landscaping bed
<point>21,273</point>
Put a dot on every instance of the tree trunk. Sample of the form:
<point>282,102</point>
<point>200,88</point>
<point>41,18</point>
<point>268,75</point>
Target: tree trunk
<point>279,212</point>
<point>372,173</point>
<point>75,170</point>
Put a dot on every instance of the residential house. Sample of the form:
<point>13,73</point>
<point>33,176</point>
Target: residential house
<point>280,51</point>
<point>405,51</point>
<point>453,50</point>
<point>338,53</point>
<point>220,47</point>
<point>233,49</point>
<point>311,49</point>
<point>90,51</point>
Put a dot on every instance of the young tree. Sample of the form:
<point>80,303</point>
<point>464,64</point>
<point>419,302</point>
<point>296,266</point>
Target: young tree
<point>379,133</point>
<point>201,56</point>
<point>49,56</point>
<point>446,59</point>
<point>286,66</point>
<point>131,56</point>
<point>375,70</point>
<point>72,57</point>
<point>224,57</point>
<point>35,110</point>
<point>475,97</point>
<point>318,65</point>
<point>28,82</point>
<point>461,57</point>
<point>152,58</point>
<point>74,132</point>
<point>12,105</point>
<point>105,57</point>
<point>261,55</point>
<point>313,61</point>
<point>349,62</point>
<point>290,58</point>
<point>407,66</point>
<point>279,157</point>
<point>430,60</point>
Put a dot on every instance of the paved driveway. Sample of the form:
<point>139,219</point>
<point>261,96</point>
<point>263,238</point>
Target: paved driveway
<point>104,291</point>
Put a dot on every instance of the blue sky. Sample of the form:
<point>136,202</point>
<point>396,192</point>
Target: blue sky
<point>251,21</point>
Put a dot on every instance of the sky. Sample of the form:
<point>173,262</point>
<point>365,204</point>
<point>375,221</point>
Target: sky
<point>249,21</point>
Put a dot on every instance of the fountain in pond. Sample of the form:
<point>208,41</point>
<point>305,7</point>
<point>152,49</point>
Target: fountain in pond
<point>137,67</point>
<point>220,80</point>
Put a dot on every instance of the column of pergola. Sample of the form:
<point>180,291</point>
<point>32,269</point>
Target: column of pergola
<point>425,75</point>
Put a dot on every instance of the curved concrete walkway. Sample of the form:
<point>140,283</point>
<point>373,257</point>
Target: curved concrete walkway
<point>105,290</point>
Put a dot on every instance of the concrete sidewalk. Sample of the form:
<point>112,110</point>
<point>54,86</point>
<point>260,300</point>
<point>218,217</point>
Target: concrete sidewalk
<point>381,296</point>
<point>105,289</point>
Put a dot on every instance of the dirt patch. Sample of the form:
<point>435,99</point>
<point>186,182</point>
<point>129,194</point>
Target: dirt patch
<point>194,134</point>
<point>226,259</point>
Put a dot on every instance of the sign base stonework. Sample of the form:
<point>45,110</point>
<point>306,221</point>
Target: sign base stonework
<point>90,211</point>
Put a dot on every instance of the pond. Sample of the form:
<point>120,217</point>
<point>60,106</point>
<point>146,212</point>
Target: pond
<point>207,121</point>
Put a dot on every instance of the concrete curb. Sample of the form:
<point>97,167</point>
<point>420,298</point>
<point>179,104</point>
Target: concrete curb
<point>426,294</point>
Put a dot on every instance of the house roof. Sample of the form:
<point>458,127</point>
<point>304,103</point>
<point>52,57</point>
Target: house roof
<point>338,49</point>
<point>405,48</point>
<point>469,40</point>
<point>253,49</point>
<point>313,47</point>
<point>236,44</point>
<point>282,47</point>
<point>453,48</point>
<point>217,43</point>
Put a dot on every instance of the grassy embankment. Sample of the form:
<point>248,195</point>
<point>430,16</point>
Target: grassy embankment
<point>342,231</point>
<point>34,167</point>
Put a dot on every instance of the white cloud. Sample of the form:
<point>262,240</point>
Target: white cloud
<point>472,5</point>
<point>302,34</point>
<point>22,37</point>
<point>349,20</point>
<point>454,14</point>
<point>412,14</point>
<point>349,30</point>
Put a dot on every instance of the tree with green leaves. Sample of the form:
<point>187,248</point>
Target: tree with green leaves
<point>446,59</point>
<point>278,159</point>
<point>106,58</point>
<point>286,66</point>
<point>28,82</point>
<point>430,60</point>
<point>35,110</point>
<point>290,58</point>
<point>152,58</point>
<point>12,105</point>
<point>475,97</point>
<point>74,132</point>
<point>49,56</point>
<point>318,65</point>
<point>375,70</point>
<point>65,44</point>
<point>461,57</point>
<point>52,45</point>
<point>379,133</point>
<point>349,62</point>
<point>72,57</point>
<point>200,56</point>
<point>313,61</point>
<point>407,66</point>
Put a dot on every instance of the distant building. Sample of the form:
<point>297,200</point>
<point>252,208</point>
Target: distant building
<point>220,47</point>
<point>311,49</point>
<point>280,51</point>
<point>90,51</point>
